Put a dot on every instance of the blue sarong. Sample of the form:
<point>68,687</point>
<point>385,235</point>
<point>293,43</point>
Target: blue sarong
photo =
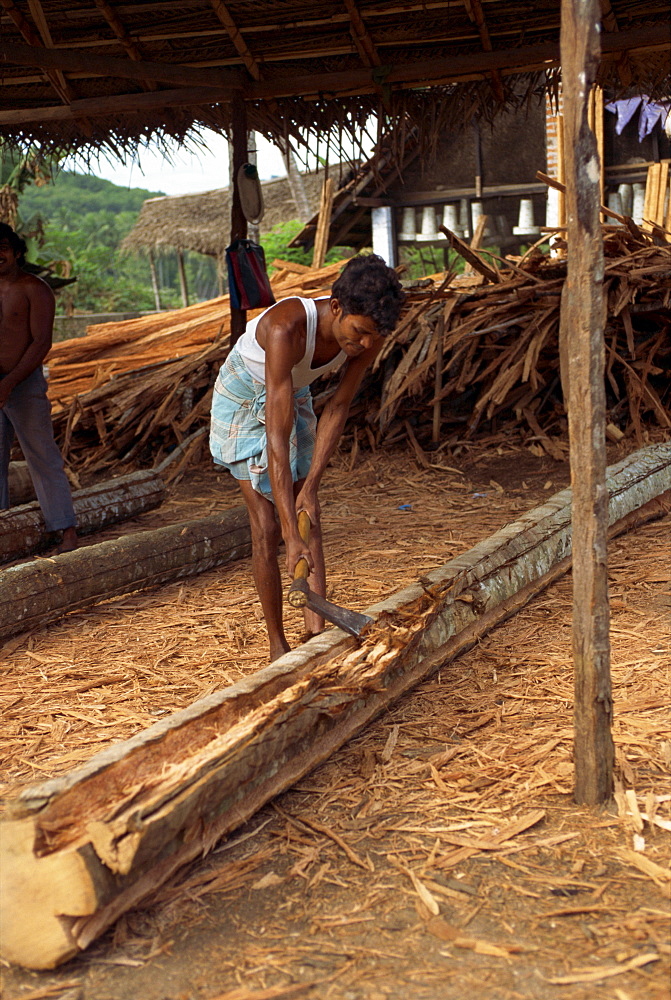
<point>238,427</point>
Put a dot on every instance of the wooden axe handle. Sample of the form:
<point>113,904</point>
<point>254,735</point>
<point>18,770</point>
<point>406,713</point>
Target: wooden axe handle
<point>302,571</point>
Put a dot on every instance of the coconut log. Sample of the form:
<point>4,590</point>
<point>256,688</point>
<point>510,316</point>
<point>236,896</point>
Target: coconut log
<point>21,489</point>
<point>83,848</point>
<point>34,594</point>
<point>22,529</point>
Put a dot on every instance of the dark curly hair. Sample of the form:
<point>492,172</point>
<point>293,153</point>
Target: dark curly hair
<point>17,244</point>
<point>368,287</point>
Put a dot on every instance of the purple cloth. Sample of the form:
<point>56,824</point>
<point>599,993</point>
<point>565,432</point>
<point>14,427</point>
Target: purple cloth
<point>651,112</point>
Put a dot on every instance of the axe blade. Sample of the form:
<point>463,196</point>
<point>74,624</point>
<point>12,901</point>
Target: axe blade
<point>352,622</point>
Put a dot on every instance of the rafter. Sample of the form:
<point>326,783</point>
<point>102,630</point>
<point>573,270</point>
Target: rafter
<point>475,12</point>
<point>364,43</point>
<point>608,18</point>
<point>217,84</point>
<point>222,12</point>
<point>53,76</point>
<point>116,24</point>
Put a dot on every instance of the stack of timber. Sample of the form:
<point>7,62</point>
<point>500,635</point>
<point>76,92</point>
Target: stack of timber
<point>496,348</point>
<point>473,356</point>
<point>82,849</point>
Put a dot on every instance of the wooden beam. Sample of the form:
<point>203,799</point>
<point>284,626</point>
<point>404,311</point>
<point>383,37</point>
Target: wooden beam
<point>241,47</point>
<point>426,72</point>
<point>39,17</point>
<point>440,197</point>
<point>22,529</point>
<point>54,76</point>
<point>608,18</point>
<point>132,48</point>
<point>80,850</point>
<point>125,69</point>
<point>582,333</point>
<point>474,10</point>
<point>94,107</point>
<point>362,40</point>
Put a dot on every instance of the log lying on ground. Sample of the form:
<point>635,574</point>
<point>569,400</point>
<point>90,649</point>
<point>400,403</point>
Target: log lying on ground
<point>82,849</point>
<point>22,529</point>
<point>21,489</point>
<point>34,594</point>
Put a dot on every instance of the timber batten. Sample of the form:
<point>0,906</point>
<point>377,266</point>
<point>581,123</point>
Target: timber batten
<point>129,836</point>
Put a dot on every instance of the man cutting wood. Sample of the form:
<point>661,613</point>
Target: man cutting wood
<point>264,430</point>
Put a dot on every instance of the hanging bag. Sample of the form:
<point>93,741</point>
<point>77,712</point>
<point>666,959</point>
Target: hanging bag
<point>247,278</point>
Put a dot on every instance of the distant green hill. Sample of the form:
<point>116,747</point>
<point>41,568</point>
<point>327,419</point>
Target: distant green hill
<point>83,222</point>
<point>73,194</point>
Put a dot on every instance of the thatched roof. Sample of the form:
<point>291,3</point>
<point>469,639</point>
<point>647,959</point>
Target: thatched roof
<point>202,222</point>
<point>86,76</point>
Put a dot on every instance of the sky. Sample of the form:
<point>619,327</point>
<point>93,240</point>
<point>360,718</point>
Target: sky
<point>188,173</point>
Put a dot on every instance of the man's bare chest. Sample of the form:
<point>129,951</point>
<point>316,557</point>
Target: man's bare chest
<point>14,309</point>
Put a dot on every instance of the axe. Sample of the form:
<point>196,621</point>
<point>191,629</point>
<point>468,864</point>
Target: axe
<point>300,595</point>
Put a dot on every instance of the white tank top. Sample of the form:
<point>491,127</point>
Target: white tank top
<point>303,373</point>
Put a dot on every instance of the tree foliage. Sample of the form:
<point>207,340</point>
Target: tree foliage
<point>81,223</point>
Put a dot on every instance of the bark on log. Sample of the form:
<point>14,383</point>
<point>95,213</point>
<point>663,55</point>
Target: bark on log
<point>22,529</point>
<point>35,594</point>
<point>82,849</point>
<point>21,489</point>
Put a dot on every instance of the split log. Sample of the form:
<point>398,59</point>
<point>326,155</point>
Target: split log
<point>22,529</point>
<point>34,594</point>
<point>81,849</point>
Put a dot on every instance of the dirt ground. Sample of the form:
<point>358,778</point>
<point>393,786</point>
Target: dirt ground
<point>438,855</point>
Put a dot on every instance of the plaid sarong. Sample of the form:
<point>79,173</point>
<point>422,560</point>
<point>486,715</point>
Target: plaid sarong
<point>238,429</point>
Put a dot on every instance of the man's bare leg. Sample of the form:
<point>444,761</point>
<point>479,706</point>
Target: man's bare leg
<point>265,567</point>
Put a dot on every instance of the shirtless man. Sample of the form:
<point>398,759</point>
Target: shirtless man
<point>264,429</point>
<point>26,325</point>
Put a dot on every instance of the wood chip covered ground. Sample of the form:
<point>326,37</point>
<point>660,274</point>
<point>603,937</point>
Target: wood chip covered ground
<point>437,855</point>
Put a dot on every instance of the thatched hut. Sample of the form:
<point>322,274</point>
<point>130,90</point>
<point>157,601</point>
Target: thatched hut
<point>201,222</point>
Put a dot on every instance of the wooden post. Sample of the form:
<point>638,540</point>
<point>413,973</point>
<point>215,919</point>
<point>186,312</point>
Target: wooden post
<point>182,279</point>
<point>561,169</point>
<point>154,280</point>
<point>582,318</point>
<point>238,220</point>
<point>323,224</point>
<point>296,184</point>
<point>438,382</point>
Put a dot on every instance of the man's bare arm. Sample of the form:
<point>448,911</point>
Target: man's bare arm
<point>331,425</point>
<point>284,345</point>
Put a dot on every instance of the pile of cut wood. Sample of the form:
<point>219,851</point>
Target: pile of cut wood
<point>473,356</point>
<point>485,361</point>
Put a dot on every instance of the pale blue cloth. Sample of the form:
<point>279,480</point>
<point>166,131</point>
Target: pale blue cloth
<point>238,427</point>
